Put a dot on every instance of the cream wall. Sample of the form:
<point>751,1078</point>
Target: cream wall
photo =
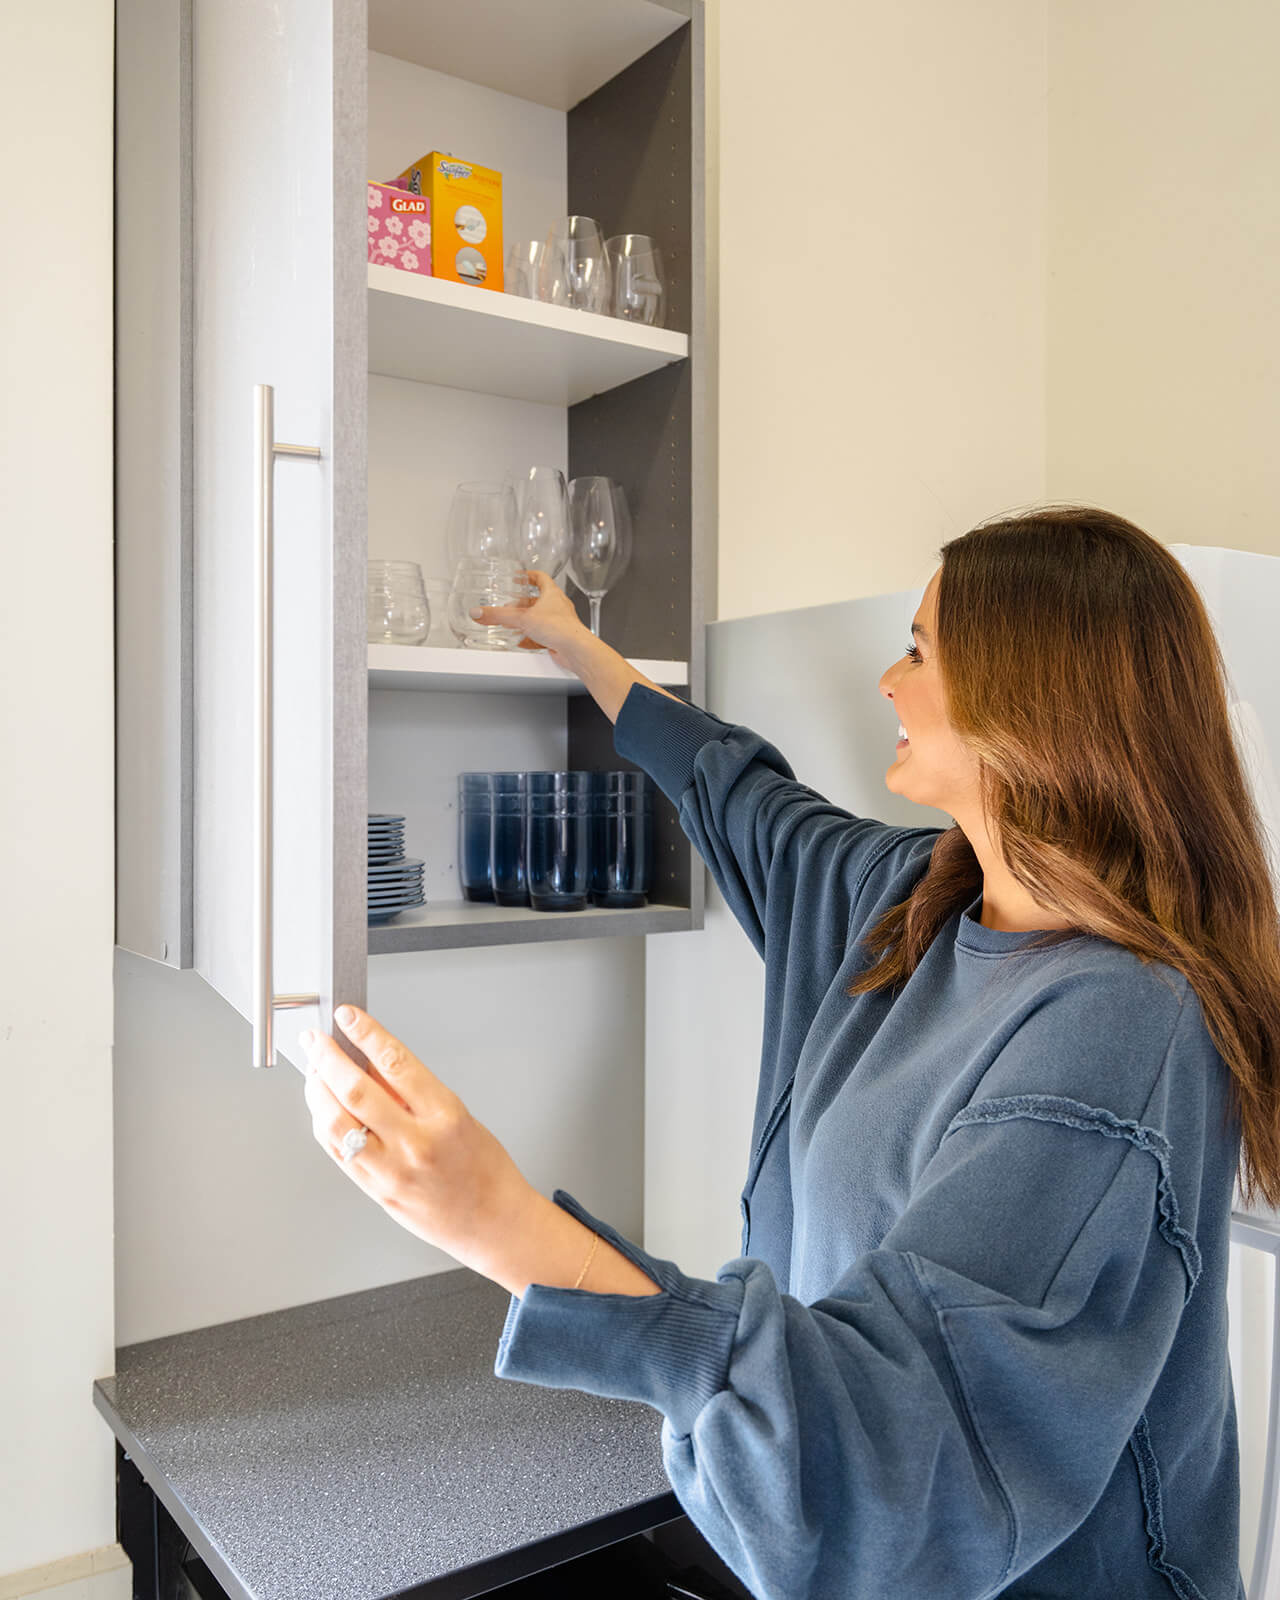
<point>56,808</point>
<point>882,230</point>
<point>1164,238</point>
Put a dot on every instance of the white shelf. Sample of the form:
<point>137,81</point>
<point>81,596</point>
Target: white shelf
<point>458,924</point>
<point>555,52</point>
<point>462,337</point>
<point>398,666</point>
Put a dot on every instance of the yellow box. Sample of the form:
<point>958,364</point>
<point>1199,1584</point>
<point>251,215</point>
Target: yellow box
<point>466,217</point>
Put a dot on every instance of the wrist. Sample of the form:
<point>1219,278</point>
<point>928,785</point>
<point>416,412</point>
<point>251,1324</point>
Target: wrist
<point>580,649</point>
<point>548,1246</point>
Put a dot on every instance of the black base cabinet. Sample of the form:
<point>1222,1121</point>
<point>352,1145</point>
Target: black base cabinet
<point>674,1562</point>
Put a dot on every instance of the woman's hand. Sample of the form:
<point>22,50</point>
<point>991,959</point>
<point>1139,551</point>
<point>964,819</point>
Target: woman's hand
<point>550,620</point>
<point>427,1162</point>
<point>442,1175</point>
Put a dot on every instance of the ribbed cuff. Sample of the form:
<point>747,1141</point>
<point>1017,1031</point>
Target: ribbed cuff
<point>663,736</point>
<point>670,1350</point>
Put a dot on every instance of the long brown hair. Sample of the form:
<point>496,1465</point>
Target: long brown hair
<point>1081,668</point>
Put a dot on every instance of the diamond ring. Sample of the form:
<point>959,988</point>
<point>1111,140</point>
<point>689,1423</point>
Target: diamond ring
<point>353,1141</point>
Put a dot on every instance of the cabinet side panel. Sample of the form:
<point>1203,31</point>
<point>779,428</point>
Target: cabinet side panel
<point>153,479</point>
<point>350,503</point>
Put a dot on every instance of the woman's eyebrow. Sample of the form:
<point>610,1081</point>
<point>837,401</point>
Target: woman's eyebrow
<point>920,632</point>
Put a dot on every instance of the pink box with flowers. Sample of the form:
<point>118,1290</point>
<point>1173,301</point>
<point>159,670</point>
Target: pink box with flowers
<point>399,228</point>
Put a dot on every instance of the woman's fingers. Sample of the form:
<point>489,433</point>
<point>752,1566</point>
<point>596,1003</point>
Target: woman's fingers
<point>394,1062</point>
<point>330,1120</point>
<point>358,1091</point>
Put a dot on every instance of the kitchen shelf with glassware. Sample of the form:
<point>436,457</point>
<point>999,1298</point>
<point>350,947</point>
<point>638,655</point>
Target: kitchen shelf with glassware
<point>432,331</point>
<point>457,924</point>
<point>556,320</point>
<point>450,668</point>
<point>498,534</point>
<point>527,848</point>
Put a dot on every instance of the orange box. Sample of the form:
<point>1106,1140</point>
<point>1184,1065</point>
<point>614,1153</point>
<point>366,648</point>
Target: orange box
<point>466,217</point>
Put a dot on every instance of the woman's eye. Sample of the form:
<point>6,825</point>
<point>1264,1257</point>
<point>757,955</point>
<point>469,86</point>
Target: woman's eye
<point>913,652</point>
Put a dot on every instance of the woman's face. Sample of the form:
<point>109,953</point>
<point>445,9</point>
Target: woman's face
<point>930,766</point>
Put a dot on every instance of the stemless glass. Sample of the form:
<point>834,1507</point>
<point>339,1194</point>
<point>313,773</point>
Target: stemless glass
<point>599,539</point>
<point>396,609</point>
<point>557,836</point>
<point>639,284</point>
<point>486,583</point>
<point>475,826</point>
<point>585,261</point>
<point>621,838</point>
<point>506,854</point>
<point>482,523</point>
<point>535,270</point>
<point>542,520</point>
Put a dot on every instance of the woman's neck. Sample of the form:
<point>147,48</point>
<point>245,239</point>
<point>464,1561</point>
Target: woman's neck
<point>1006,906</point>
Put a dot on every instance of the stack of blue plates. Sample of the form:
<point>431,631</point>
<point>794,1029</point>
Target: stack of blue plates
<point>395,880</point>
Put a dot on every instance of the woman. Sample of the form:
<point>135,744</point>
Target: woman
<point>975,1344</point>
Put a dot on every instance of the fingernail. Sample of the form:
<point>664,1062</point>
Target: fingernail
<point>306,1038</point>
<point>477,610</point>
<point>345,1015</point>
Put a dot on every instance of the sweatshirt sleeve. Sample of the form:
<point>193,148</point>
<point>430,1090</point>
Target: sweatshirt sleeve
<point>768,840</point>
<point>954,1407</point>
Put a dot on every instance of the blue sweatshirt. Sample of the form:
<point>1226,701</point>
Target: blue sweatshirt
<point>976,1340</point>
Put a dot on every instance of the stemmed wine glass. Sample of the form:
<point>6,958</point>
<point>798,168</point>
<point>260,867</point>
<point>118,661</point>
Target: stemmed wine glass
<point>542,520</point>
<point>599,539</point>
<point>482,523</point>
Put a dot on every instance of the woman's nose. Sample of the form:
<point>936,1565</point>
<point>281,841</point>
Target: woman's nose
<point>887,680</point>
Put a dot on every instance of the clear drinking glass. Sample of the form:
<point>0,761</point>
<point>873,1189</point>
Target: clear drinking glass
<point>486,583</point>
<point>586,263</point>
<point>535,269</point>
<point>599,539</point>
<point>397,611</point>
<point>542,520</point>
<point>639,283</point>
<point>441,635</point>
<point>482,523</point>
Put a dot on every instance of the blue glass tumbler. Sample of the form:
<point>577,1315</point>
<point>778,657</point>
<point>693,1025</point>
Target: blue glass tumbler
<point>475,819</point>
<point>621,839</point>
<point>557,848</point>
<point>507,873</point>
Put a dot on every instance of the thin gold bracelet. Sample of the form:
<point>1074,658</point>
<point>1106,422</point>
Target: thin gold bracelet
<point>595,1240</point>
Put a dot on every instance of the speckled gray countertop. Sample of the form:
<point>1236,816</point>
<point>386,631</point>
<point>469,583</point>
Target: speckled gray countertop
<point>361,1447</point>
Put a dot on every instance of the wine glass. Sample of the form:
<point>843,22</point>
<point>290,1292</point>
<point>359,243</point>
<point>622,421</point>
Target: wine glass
<point>599,539</point>
<point>639,285</point>
<point>542,520</point>
<point>482,523</point>
<point>585,261</point>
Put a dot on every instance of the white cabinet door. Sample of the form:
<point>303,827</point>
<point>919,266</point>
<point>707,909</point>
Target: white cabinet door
<point>278,94</point>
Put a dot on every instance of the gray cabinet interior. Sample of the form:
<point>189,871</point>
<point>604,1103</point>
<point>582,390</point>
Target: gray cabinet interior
<point>153,481</point>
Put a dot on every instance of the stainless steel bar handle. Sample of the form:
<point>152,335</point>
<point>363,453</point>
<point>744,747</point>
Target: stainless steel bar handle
<point>265,1001</point>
